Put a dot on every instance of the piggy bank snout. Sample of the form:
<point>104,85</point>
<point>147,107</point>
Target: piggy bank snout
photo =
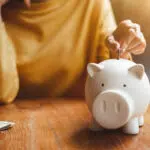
<point>112,109</point>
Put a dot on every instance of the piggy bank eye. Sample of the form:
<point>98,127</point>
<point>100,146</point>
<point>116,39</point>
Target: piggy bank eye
<point>124,85</point>
<point>102,84</point>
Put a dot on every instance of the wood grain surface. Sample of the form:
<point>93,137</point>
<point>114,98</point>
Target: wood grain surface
<point>62,124</point>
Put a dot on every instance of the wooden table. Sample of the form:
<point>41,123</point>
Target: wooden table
<point>62,124</point>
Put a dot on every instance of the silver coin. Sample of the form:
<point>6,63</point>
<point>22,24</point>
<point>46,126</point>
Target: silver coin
<point>4,125</point>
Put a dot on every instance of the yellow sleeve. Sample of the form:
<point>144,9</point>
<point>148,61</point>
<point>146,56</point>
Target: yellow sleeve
<point>9,82</point>
<point>107,26</point>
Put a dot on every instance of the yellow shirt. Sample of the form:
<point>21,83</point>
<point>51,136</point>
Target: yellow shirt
<point>45,49</point>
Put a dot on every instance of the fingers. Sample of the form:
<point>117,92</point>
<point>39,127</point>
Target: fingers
<point>134,40</point>
<point>128,38</point>
<point>138,44</point>
<point>124,43</point>
<point>130,25</point>
<point>125,55</point>
<point>112,44</point>
<point>28,3</point>
<point>125,33</point>
<point>139,49</point>
<point>126,23</point>
<point>2,2</point>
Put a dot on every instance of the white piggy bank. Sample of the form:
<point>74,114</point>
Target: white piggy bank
<point>118,94</point>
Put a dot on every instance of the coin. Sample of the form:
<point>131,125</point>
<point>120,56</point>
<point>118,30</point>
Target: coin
<point>4,125</point>
<point>118,57</point>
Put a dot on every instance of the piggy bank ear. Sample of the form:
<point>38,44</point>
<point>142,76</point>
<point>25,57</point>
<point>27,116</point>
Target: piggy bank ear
<point>137,70</point>
<point>93,68</point>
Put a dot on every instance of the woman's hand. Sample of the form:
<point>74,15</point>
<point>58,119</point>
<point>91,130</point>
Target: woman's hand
<point>28,3</point>
<point>2,2</point>
<point>127,38</point>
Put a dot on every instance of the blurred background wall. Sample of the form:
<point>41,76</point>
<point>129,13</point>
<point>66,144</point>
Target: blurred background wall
<point>138,11</point>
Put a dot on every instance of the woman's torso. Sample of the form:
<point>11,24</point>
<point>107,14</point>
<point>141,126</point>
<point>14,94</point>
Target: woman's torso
<point>53,40</point>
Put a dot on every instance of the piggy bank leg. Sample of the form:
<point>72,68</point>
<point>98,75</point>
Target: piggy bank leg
<point>94,126</point>
<point>141,121</point>
<point>132,127</point>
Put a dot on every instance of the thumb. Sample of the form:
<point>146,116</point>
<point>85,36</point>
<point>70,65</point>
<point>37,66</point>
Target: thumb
<point>125,55</point>
<point>112,44</point>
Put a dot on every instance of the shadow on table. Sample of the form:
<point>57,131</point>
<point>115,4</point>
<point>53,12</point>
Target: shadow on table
<point>107,139</point>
